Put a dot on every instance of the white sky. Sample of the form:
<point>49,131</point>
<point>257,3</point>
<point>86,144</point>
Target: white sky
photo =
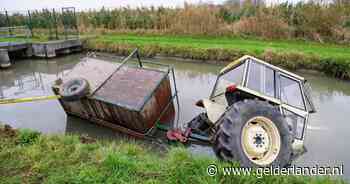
<point>87,4</point>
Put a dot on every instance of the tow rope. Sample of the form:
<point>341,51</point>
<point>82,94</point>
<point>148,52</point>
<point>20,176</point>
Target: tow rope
<point>28,99</point>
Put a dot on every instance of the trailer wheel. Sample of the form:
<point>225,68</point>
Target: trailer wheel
<point>254,133</point>
<point>74,89</point>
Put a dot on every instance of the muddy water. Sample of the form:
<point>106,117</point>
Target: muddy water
<point>327,136</point>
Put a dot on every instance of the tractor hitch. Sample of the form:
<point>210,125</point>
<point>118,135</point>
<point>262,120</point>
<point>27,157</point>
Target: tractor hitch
<point>178,135</point>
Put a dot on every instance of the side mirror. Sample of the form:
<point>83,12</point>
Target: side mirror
<point>199,103</point>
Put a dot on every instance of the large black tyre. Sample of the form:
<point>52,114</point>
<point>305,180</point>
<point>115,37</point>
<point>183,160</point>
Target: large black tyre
<point>74,89</point>
<point>228,143</point>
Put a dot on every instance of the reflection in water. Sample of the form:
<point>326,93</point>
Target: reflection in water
<point>326,134</point>
<point>75,125</point>
<point>29,78</point>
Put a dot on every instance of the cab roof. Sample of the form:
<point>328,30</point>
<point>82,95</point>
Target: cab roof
<point>247,57</point>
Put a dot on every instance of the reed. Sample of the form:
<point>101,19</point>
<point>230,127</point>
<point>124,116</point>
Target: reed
<point>317,20</point>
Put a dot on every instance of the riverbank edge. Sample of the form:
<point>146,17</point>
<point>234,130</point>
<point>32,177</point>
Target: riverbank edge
<point>334,67</point>
<point>27,156</point>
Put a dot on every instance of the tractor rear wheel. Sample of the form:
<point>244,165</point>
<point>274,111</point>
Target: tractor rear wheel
<point>254,133</point>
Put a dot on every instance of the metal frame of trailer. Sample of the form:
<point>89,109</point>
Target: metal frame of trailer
<point>108,104</point>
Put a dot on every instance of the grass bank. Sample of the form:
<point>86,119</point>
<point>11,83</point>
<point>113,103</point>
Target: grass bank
<point>329,58</point>
<point>23,39</point>
<point>28,157</point>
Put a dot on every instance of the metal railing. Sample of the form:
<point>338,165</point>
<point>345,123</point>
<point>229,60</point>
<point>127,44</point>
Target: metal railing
<point>46,23</point>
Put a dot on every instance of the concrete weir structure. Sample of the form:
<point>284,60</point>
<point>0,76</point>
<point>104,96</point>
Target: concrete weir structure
<point>48,49</point>
<point>11,47</point>
<point>52,48</point>
<point>4,59</point>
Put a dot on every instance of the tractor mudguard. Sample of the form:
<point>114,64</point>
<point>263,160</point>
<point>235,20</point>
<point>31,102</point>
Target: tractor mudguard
<point>214,110</point>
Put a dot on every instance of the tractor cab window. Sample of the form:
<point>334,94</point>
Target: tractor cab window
<point>261,79</point>
<point>234,76</point>
<point>291,92</point>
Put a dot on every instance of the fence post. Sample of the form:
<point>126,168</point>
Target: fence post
<point>8,23</point>
<point>55,22</point>
<point>64,23</point>
<point>30,23</point>
<point>76,22</point>
<point>47,15</point>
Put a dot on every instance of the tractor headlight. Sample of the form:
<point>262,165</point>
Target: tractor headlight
<point>296,122</point>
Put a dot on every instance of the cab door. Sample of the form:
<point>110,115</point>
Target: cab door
<point>293,104</point>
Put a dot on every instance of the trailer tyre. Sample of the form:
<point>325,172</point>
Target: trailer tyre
<point>254,133</point>
<point>74,89</point>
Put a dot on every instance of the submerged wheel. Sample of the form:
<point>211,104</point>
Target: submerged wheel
<point>74,89</point>
<point>254,133</point>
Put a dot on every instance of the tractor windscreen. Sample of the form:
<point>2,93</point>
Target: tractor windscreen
<point>233,76</point>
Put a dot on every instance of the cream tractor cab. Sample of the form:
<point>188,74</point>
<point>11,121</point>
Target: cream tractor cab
<point>256,114</point>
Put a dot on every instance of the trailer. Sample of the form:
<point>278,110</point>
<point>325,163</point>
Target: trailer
<point>127,96</point>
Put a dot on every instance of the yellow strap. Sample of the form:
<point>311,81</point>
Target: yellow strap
<point>29,99</point>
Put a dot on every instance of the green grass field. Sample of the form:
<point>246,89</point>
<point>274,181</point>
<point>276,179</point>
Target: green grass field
<point>249,45</point>
<point>14,39</point>
<point>28,157</point>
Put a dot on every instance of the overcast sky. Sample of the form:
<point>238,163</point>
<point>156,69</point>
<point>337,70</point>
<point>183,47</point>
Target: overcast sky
<point>86,4</point>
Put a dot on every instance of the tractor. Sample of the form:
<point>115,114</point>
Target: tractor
<point>256,114</point>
